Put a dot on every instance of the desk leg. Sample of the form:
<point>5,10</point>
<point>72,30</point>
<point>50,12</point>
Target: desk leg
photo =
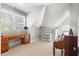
<point>23,40</point>
<point>61,52</point>
<point>53,51</point>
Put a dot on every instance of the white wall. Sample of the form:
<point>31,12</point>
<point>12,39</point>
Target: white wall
<point>33,27</point>
<point>0,5</point>
<point>31,18</point>
<point>0,33</point>
<point>60,27</point>
<point>0,11</point>
<point>34,33</point>
<point>74,18</point>
<point>34,20</point>
<point>40,18</point>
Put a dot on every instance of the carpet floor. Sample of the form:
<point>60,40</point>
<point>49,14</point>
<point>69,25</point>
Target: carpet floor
<point>38,48</point>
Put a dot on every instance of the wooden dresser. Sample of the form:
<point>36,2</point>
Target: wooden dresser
<point>5,40</point>
<point>69,44</point>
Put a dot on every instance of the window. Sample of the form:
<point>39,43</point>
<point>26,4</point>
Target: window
<point>10,21</point>
<point>5,22</point>
<point>19,22</point>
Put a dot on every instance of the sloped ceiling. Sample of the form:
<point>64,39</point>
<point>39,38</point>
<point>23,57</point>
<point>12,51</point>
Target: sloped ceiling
<point>49,14</point>
<point>27,7</point>
<point>53,14</point>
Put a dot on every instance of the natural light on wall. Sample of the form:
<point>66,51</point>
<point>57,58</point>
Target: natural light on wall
<point>62,18</point>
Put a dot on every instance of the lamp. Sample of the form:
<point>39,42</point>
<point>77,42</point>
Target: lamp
<point>25,27</point>
<point>70,32</point>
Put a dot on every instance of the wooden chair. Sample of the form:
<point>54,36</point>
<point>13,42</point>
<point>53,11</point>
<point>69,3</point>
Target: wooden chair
<point>69,44</point>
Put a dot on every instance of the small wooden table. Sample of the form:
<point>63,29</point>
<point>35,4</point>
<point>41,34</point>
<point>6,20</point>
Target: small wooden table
<point>59,45</point>
<point>5,40</point>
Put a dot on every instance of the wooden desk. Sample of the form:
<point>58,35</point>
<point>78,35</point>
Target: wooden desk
<point>5,40</point>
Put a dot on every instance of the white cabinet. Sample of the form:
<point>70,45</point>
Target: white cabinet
<point>46,37</point>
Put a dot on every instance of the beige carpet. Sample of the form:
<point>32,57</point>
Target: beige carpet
<point>38,48</point>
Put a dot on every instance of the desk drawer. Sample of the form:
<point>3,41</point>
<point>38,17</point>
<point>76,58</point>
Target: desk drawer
<point>5,40</point>
<point>4,47</point>
<point>27,36</point>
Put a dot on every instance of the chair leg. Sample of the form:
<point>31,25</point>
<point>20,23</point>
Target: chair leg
<point>61,52</point>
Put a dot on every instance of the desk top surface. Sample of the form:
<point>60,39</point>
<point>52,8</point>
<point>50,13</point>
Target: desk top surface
<point>13,35</point>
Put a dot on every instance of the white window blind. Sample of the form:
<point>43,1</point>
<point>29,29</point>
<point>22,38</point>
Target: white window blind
<point>10,21</point>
